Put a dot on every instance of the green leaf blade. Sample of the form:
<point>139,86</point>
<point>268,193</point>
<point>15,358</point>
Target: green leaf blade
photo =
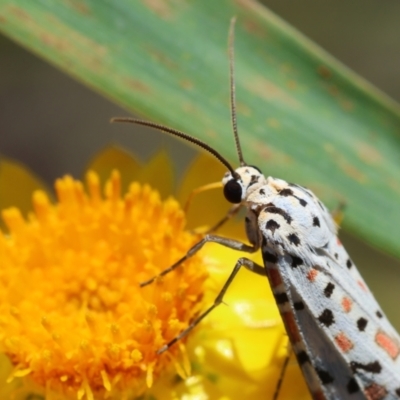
<point>302,115</point>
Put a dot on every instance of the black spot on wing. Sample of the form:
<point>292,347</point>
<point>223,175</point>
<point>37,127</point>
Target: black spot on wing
<point>329,289</point>
<point>296,261</point>
<point>352,386</point>
<point>295,185</point>
<point>276,210</point>
<point>262,192</point>
<point>272,225</point>
<point>325,376</point>
<point>286,192</point>
<point>373,367</point>
<point>349,264</point>
<point>379,314</point>
<point>316,221</point>
<point>302,201</point>
<point>326,318</point>
<point>302,357</point>
<point>281,298</point>
<point>269,257</point>
<point>298,305</point>
<point>361,324</point>
<point>294,239</point>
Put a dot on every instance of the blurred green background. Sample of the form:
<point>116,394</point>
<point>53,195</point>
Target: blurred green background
<point>54,125</point>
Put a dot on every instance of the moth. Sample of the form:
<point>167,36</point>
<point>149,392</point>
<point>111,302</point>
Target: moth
<point>344,344</point>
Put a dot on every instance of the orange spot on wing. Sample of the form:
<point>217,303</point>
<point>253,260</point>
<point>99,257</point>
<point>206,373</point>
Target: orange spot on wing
<point>339,243</point>
<point>388,344</point>
<point>375,392</point>
<point>274,276</point>
<point>312,274</point>
<point>347,304</point>
<point>291,327</point>
<point>344,343</point>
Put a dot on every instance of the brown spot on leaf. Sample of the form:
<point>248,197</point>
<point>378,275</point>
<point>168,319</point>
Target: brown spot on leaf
<point>253,27</point>
<point>353,172</point>
<point>79,6</point>
<point>333,90</point>
<point>211,133</point>
<point>162,58</point>
<point>161,8</point>
<point>344,164</point>
<point>394,184</point>
<point>267,90</point>
<point>291,84</point>
<point>368,153</point>
<point>20,14</point>
<point>138,86</point>
<point>347,105</point>
<point>243,109</point>
<point>186,84</point>
<point>324,72</point>
<point>189,107</point>
<point>286,68</point>
<point>273,123</point>
<point>269,154</point>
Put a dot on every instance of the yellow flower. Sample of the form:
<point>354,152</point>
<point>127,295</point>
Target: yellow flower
<point>74,323</point>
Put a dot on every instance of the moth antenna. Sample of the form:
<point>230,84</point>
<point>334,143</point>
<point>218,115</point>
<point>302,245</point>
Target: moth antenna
<point>233,91</point>
<point>179,134</point>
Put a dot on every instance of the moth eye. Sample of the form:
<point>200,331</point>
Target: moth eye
<point>233,191</point>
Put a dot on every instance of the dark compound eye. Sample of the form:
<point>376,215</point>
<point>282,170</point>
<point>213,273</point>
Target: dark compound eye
<point>233,191</point>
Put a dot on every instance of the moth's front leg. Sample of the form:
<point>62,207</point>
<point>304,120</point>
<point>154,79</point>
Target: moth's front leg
<point>230,243</point>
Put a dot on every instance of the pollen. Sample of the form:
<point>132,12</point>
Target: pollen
<point>74,319</point>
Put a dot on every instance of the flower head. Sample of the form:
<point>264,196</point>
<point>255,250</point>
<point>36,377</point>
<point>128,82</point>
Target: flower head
<point>74,318</point>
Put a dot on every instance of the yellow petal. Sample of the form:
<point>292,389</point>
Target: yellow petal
<point>17,184</point>
<point>114,157</point>
<point>158,172</point>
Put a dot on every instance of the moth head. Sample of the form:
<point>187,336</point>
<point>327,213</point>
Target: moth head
<point>238,184</point>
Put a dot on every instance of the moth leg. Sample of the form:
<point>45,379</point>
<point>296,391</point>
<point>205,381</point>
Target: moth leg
<point>195,192</point>
<point>231,243</point>
<point>281,376</point>
<point>242,262</point>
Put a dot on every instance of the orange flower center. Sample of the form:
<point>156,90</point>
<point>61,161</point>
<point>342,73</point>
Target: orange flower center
<point>73,317</point>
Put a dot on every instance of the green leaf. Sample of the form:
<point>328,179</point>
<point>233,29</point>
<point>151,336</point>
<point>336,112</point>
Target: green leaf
<point>302,116</point>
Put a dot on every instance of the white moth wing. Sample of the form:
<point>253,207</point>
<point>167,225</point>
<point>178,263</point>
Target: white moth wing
<point>347,339</point>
